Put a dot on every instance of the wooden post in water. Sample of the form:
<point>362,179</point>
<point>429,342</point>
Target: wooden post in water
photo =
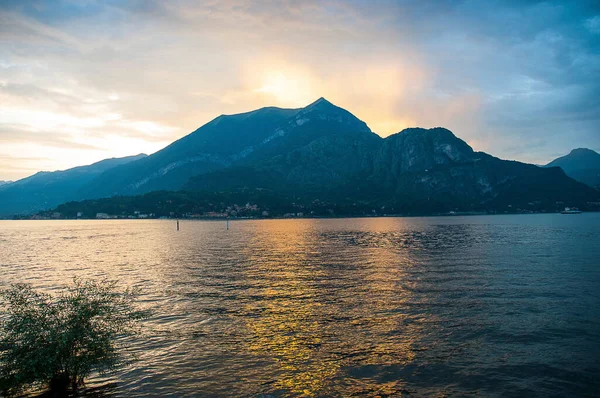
<point>227,224</point>
<point>178,225</point>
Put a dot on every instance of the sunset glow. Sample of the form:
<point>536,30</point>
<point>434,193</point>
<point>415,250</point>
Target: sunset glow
<point>299,198</point>
<point>119,79</point>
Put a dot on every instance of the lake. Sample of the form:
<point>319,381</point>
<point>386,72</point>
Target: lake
<point>436,306</point>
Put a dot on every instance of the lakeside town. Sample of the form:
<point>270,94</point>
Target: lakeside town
<point>253,211</point>
<point>247,211</point>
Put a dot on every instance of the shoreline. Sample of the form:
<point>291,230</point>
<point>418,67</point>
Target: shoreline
<point>466,214</point>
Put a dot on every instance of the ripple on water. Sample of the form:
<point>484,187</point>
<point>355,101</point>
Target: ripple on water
<point>457,306</point>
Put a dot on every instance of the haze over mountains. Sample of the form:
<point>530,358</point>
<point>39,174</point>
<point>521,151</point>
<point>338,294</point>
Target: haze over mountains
<point>320,152</point>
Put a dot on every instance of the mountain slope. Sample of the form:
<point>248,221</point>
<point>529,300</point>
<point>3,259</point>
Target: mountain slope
<point>416,170</point>
<point>580,164</point>
<point>229,141</point>
<point>321,147</point>
<point>326,165</point>
<point>317,120</point>
<point>45,190</point>
<point>216,145</point>
<point>323,153</point>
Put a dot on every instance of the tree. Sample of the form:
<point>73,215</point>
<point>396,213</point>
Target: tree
<point>59,340</point>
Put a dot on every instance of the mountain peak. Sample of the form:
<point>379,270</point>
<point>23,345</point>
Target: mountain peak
<point>440,132</point>
<point>418,148</point>
<point>321,103</point>
<point>425,130</point>
<point>323,106</point>
<point>581,164</point>
<point>582,151</point>
<point>576,157</point>
<point>321,99</point>
<point>322,110</point>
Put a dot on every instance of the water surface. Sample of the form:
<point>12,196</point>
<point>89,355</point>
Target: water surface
<point>453,306</point>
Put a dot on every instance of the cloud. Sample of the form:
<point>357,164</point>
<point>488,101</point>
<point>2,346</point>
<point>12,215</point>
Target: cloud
<point>10,134</point>
<point>593,24</point>
<point>517,79</point>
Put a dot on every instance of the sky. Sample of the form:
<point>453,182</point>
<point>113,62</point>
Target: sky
<point>85,80</point>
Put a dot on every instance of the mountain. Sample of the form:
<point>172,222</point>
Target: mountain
<point>216,145</point>
<point>324,158</point>
<point>229,141</point>
<point>322,148</point>
<point>414,171</point>
<point>580,164</point>
<point>45,190</point>
<point>433,168</point>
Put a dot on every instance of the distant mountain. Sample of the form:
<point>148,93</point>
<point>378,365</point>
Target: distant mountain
<point>216,145</point>
<point>321,148</point>
<point>323,157</point>
<point>2,182</point>
<point>435,168</point>
<point>229,141</point>
<point>414,171</point>
<point>581,164</point>
<point>45,190</point>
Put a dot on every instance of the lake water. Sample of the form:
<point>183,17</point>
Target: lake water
<point>453,306</point>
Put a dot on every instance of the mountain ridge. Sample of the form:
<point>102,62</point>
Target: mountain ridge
<point>219,144</point>
<point>46,189</point>
<point>581,164</point>
<point>413,166</point>
<point>324,152</point>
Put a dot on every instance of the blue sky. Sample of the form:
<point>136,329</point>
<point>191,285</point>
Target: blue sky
<point>85,80</point>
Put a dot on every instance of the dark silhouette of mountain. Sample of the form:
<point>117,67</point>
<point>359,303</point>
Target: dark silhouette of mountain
<point>433,166</point>
<point>229,141</point>
<point>323,157</point>
<point>45,190</point>
<point>414,171</point>
<point>216,145</point>
<point>321,148</point>
<point>581,164</point>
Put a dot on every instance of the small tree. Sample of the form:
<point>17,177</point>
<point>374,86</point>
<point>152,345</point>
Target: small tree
<point>59,340</point>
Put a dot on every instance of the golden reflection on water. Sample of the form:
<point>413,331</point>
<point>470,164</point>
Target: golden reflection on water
<point>288,329</point>
<point>367,307</point>
<point>311,330</point>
